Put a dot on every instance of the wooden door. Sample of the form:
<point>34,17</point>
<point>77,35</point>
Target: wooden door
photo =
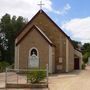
<point>76,64</point>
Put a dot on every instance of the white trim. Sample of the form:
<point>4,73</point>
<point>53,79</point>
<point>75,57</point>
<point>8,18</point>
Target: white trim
<point>15,41</point>
<point>17,57</point>
<point>67,55</point>
<point>15,62</point>
<point>50,60</point>
<point>43,34</point>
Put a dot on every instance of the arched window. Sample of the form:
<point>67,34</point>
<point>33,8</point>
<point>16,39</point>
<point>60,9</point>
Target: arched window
<point>33,51</point>
<point>33,61</point>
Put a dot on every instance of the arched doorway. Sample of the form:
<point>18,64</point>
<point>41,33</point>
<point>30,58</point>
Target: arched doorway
<point>33,58</point>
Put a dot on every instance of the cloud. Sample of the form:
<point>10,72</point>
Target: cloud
<point>79,27</point>
<point>67,7</point>
<point>27,8</point>
<point>64,10</point>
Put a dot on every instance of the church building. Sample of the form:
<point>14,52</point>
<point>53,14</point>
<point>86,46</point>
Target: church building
<point>43,42</point>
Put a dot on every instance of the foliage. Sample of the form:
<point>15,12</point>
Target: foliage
<point>86,52</point>
<point>86,48</point>
<point>3,65</point>
<point>76,44</point>
<point>83,66</point>
<point>35,76</point>
<point>85,57</point>
<point>9,26</point>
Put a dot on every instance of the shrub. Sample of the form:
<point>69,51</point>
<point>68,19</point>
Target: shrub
<point>3,65</point>
<point>35,76</point>
<point>85,57</point>
<point>83,66</point>
<point>85,60</point>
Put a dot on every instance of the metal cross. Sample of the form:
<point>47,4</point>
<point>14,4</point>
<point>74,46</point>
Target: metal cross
<point>41,4</point>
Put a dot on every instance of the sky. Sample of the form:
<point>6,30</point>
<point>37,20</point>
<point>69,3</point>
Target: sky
<point>72,16</point>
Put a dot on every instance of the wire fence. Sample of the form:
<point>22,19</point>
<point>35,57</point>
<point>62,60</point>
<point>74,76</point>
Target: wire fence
<point>23,76</point>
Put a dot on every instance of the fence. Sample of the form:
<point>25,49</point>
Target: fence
<point>21,76</point>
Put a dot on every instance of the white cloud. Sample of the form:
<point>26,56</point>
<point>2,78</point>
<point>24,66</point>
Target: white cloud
<point>67,7</point>
<point>64,10</point>
<point>27,8</point>
<point>79,27</point>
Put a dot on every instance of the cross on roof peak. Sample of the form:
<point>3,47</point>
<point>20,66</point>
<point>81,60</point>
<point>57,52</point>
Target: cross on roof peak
<point>40,4</point>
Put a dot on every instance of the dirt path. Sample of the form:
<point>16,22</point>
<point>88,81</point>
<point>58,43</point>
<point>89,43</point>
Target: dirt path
<point>77,80</point>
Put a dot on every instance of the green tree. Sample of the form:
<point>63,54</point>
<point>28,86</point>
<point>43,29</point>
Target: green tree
<point>86,48</point>
<point>77,44</point>
<point>9,26</point>
<point>86,52</point>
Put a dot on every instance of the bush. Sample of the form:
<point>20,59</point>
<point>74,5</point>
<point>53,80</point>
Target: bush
<point>85,57</point>
<point>3,66</point>
<point>35,76</point>
<point>83,66</point>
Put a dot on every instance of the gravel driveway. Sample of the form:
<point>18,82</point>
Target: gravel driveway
<point>76,80</point>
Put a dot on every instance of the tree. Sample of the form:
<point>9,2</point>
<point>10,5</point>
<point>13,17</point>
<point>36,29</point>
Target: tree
<point>86,48</point>
<point>86,52</point>
<point>77,44</point>
<point>9,26</point>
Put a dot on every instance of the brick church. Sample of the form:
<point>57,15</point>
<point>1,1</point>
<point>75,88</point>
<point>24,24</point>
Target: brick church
<point>43,42</point>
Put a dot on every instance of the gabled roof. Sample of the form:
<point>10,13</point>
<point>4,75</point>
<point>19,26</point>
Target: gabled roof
<point>41,11</point>
<point>41,33</point>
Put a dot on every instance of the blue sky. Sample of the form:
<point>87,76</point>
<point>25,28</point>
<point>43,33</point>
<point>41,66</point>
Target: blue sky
<point>73,16</point>
<point>79,9</point>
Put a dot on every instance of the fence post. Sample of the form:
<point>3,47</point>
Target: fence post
<point>6,77</point>
<point>47,72</point>
<point>17,76</point>
<point>27,75</point>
